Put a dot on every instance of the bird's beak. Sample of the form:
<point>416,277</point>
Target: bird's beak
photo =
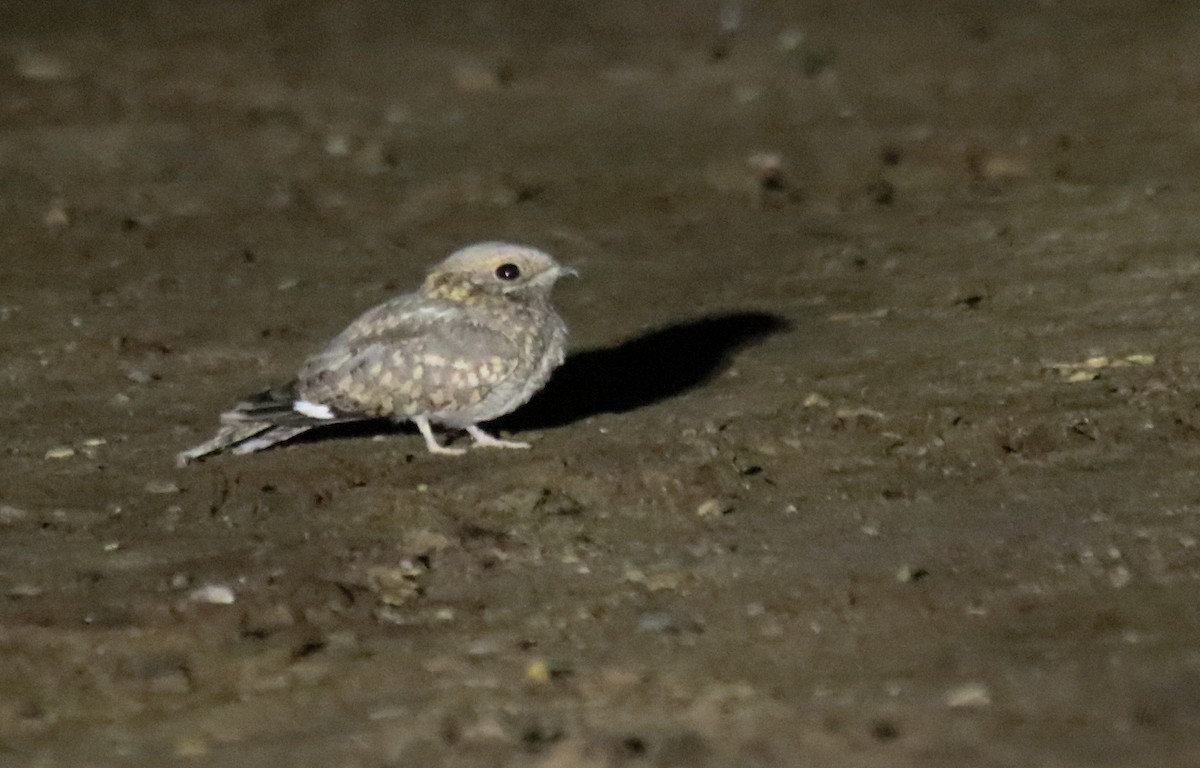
<point>550,276</point>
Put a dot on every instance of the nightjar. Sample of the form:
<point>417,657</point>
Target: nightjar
<point>475,342</point>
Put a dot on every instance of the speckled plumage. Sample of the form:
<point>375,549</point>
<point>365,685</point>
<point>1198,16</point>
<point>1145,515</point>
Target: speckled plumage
<point>475,342</point>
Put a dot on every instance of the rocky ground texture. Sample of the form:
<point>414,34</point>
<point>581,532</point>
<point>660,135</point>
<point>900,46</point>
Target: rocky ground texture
<point>878,444</point>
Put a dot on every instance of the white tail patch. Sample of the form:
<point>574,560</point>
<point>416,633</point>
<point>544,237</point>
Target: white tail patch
<point>312,410</point>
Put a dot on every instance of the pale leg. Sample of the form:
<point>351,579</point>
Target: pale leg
<point>484,440</point>
<point>431,443</point>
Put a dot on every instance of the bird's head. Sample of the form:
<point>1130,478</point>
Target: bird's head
<point>495,269</point>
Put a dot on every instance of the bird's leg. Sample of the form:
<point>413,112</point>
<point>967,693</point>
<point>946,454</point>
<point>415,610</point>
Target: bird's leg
<point>431,443</point>
<point>484,440</point>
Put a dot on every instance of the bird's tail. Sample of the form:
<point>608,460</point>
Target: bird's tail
<point>259,421</point>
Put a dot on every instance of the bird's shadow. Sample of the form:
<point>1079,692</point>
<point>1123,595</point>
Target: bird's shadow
<point>643,370</point>
<point>640,371</point>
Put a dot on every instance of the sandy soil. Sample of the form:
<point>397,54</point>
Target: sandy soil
<point>878,445</point>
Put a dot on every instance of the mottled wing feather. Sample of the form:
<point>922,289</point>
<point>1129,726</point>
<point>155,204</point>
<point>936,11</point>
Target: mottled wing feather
<point>402,316</point>
<point>402,359</point>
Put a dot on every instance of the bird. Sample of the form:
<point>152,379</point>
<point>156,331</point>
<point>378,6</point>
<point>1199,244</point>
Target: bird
<point>476,341</point>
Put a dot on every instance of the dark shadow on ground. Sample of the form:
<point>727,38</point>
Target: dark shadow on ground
<point>646,369</point>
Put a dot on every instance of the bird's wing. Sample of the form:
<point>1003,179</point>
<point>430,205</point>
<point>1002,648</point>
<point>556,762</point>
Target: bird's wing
<point>408,357</point>
<point>403,316</point>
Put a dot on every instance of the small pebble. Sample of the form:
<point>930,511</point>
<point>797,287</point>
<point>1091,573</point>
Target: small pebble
<point>815,400</point>
<point>475,77</point>
<point>484,648</point>
<point>968,696</point>
<point>656,622</point>
<point>337,145</point>
<point>57,216</point>
<point>24,589</point>
<point>190,746</point>
<point>214,594</point>
<point>395,585</point>
<point>44,67</point>
<point>424,542</point>
<point>161,486</point>
<point>1120,577</point>
<point>11,514</point>
<point>663,581</point>
<point>861,411</point>
<point>60,452</point>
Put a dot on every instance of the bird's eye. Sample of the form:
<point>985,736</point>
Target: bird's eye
<point>508,271</point>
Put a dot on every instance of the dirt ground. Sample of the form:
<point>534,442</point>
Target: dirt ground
<point>878,444</point>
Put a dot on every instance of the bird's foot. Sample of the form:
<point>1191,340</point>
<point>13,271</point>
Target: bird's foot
<point>484,440</point>
<point>431,443</point>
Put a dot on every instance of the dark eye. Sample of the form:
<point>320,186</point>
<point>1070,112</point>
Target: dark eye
<point>508,271</point>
